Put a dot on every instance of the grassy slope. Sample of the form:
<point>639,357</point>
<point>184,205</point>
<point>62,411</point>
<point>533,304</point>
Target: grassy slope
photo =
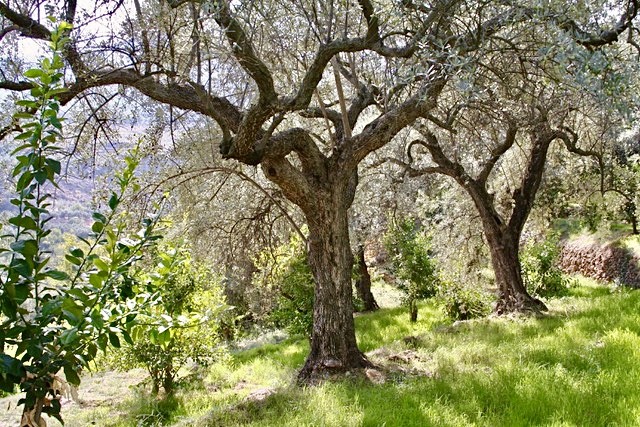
<point>579,365</point>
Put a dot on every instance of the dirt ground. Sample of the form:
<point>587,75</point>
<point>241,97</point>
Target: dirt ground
<point>101,389</point>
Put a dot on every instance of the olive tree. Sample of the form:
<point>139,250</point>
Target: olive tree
<point>303,89</point>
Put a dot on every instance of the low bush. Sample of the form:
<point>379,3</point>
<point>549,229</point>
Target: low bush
<point>540,273</point>
<point>463,302</point>
<point>410,253</point>
<point>183,327</point>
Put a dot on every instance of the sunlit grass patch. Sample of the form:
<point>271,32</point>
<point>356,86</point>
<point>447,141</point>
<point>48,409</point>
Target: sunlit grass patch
<point>578,365</point>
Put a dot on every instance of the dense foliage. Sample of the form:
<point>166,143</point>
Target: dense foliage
<point>413,264</point>
<point>540,271</point>
<point>182,326</point>
<point>284,273</point>
<point>463,301</point>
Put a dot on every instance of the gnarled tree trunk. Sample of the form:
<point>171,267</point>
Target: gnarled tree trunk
<point>363,283</point>
<point>333,340</point>
<point>512,294</point>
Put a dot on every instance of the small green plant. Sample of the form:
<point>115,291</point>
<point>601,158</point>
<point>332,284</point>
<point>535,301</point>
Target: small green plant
<point>541,275</point>
<point>181,327</point>
<point>412,263</point>
<point>463,302</point>
<point>285,273</point>
<point>51,320</point>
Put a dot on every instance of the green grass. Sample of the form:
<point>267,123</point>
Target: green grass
<point>579,365</point>
<point>632,242</point>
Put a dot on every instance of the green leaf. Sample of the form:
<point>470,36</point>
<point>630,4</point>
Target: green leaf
<point>127,337</point>
<point>97,227</point>
<point>164,338</point>
<point>64,26</point>
<point>54,165</point>
<point>34,73</point>
<point>72,312</point>
<point>153,337</point>
<point>73,260</point>
<point>114,201</point>
<point>96,280</point>
<point>22,267</point>
<point>27,103</point>
<point>77,252</point>
<point>36,92</point>
<point>24,180</point>
<point>99,217</point>
<point>57,275</point>
<point>23,115</point>
<point>58,91</point>
<point>27,248</point>
<point>92,350</point>
<point>55,122</point>
<point>69,336</point>
<point>71,375</point>
<point>101,264</point>
<point>114,340</point>
<point>11,365</point>
<point>102,342</point>
<point>96,319</point>
<point>24,221</point>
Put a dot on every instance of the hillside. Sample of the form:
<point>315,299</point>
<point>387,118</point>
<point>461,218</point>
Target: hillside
<point>577,365</point>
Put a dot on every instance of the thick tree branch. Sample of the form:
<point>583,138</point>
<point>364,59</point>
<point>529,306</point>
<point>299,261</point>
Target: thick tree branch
<point>570,140</point>
<point>380,131</point>
<point>474,187</point>
<point>290,180</point>
<point>7,30</point>
<point>373,27</point>
<point>244,52</point>
<point>346,125</point>
<point>70,13</point>
<point>188,96</point>
<point>28,27</point>
<point>604,36</point>
<point>15,86</point>
<point>524,196</point>
<point>416,172</point>
<point>497,152</point>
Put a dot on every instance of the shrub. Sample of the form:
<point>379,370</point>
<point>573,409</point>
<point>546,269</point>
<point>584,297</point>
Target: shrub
<point>540,274</point>
<point>182,327</point>
<point>463,302</point>
<point>284,273</point>
<point>412,263</point>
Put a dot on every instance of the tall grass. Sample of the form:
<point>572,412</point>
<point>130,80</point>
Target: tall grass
<point>577,366</point>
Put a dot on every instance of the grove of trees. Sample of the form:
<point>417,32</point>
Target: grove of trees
<point>316,93</point>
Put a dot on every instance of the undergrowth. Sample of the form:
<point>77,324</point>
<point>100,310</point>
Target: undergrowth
<point>578,365</point>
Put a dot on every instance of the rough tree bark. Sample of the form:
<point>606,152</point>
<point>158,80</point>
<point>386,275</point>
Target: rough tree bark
<point>363,282</point>
<point>333,342</point>
<point>512,294</point>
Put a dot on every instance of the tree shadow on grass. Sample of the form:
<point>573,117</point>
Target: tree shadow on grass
<point>577,366</point>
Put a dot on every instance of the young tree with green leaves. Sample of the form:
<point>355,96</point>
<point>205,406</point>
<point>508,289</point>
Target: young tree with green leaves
<point>182,326</point>
<point>412,263</point>
<point>52,321</point>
